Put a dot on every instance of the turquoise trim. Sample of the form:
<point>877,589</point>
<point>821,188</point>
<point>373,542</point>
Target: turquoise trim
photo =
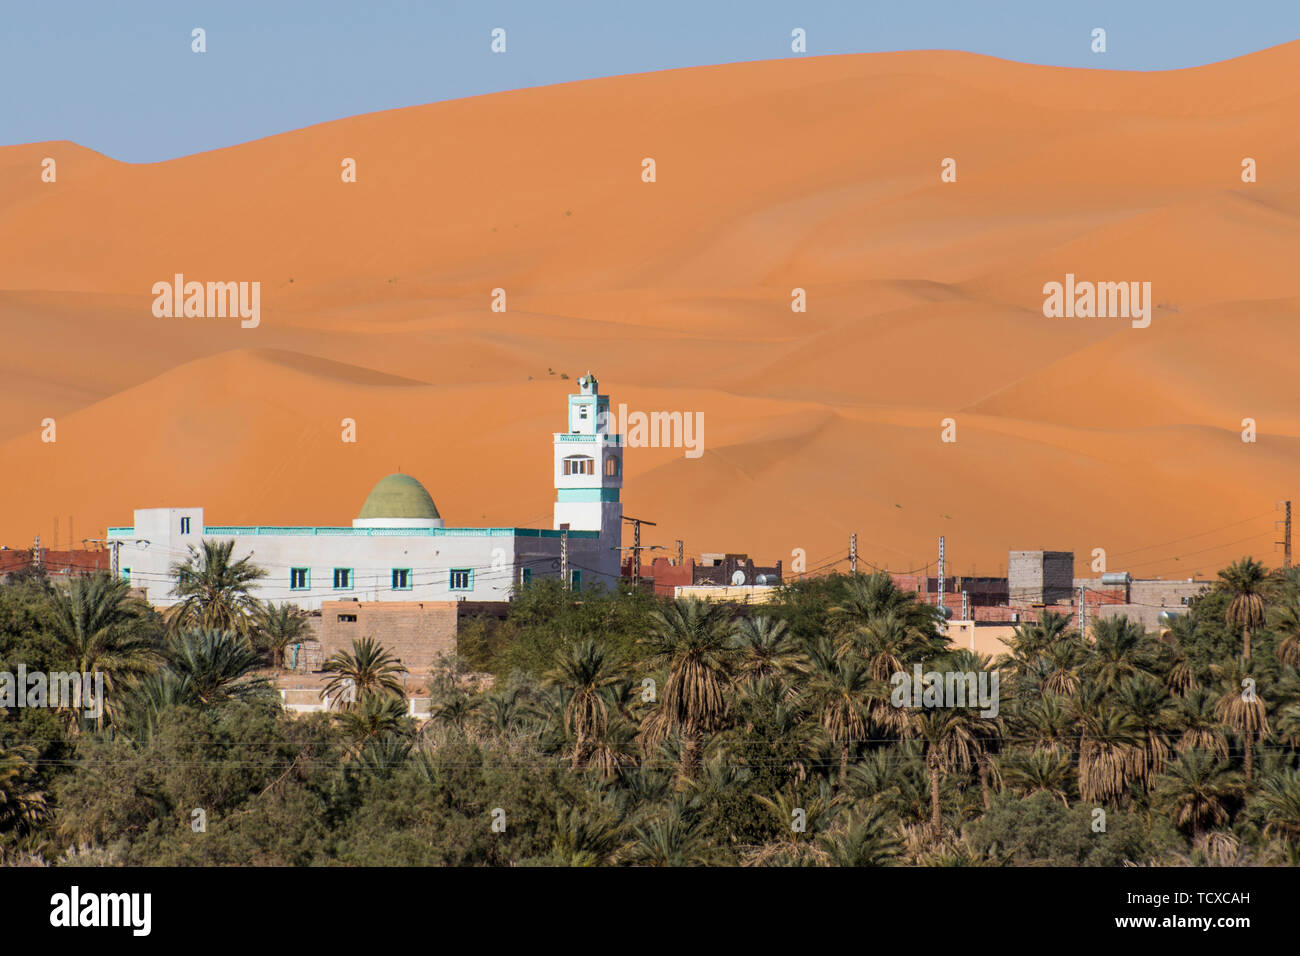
<point>350,578</point>
<point>615,440</point>
<point>469,577</point>
<point>306,578</point>
<point>586,494</point>
<point>240,531</point>
<point>123,532</point>
<point>409,577</point>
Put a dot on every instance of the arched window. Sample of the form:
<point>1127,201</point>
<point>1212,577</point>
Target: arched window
<point>579,465</point>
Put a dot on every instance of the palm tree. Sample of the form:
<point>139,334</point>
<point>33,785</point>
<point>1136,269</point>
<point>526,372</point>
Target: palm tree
<point>889,639</point>
<point>1244,581</point>
<point>456,711</point>
<point>951,738</point>
<point>1286,618</point>
<point>212,666</point>
<point>1059,671</point>
<point>1201,727</point>
<point>670,839</point>
<point>375,716</point>
<point>582,672</point>
<point>1110,753</point>
<point>1197,791</point>
<point>368,667</point>
<point>99,628</point>
<point>1119,650</point>
<point>214,591</point>
<point>866,840</point>
<point>1047,724</point>
<point>22,801</point>
<point>1039,771</point>
<point>503,713</point>
<point>1144,701</point>
<point>869,596</point>
<point>279,626</point>
<point>585,839</point>
<point>692,639</point>
<point>765,648</point>
<point>1279,796</point>
<point>1242,710</point>
<point>843,695</point>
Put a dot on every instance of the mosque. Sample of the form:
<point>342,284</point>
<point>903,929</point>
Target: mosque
<point>398,548</point>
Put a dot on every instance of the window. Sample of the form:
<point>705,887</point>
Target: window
<point>126,575</point>
<point>342,579</point>
<point>611,466</point>
<point>347,619</point>
<point>575,580</point>
<point>462,579</point>
<point>582,412</point>
<point>526,577</point>
<point>401,579</point>
<point>299,579</point>
<point>185,526</point>
<point>579,465</point>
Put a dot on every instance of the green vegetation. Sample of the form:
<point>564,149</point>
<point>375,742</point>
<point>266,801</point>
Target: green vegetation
<point>621,729</point>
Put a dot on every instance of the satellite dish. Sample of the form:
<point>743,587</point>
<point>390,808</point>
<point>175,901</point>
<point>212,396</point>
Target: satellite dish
<point>738,579</point>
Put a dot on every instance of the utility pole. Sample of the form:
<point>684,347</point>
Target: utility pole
<point>1083,614</point>
<point>680,562</point>
<point>965,606</point>
<point>564,558</point>
<point>1286,535</point>
<point>853,553</point>
<point>636,547</point>
<point>37,560</point>
<point>942,568</point>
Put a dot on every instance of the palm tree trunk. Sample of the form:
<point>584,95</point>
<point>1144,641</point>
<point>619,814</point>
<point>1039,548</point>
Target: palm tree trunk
<point>690,754</point>
<point>984,785</point>
<point>936,820</point>
<point>1245,642</point>
<point>844,762</point>
<point>1250,758</point>
<point>579,747</point>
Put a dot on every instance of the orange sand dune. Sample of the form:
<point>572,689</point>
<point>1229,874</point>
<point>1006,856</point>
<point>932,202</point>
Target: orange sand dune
<point>924,303</point>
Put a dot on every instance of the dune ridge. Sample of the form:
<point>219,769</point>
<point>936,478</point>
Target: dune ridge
<point>924,303</point>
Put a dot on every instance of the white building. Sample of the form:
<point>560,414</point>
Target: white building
<point>399,549</point>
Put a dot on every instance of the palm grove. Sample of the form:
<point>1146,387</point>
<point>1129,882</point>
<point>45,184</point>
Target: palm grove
<point>621,729</point>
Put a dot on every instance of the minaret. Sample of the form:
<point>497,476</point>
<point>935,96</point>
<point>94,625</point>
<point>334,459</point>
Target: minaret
<point>589,475</point>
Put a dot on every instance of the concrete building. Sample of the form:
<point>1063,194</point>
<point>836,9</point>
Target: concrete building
<point>1040,577</point>
<point>714,571</point>
<point>56,564</point>
<point>399,548</point>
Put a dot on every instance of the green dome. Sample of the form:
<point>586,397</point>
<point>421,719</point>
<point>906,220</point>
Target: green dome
<point>398,496</point>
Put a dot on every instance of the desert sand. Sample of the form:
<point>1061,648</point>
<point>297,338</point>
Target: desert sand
<point>924,302</point>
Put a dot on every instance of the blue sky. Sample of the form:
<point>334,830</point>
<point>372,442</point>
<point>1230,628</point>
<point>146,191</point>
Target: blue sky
<point>119,76</point>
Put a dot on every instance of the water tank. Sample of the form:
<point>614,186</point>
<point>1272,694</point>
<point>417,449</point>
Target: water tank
<point>737,579</point>
<point>765,579</point>
<point>1114,579</point>
<point>946,612</point>
<point>1167,618</point>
